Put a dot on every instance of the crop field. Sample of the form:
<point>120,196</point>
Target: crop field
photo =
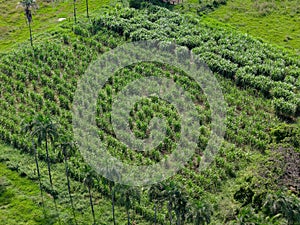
<point>253,178</point>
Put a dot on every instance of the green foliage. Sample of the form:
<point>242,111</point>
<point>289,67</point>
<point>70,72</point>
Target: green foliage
<point>135,4</point>
<point>143,4</point>
<point>44,80</point>
<point>244,195</point>
<point>287,206</point>
<point>201,213</point>
<point>5,194</point>
<point>248,61</point>
<point>286,133</point>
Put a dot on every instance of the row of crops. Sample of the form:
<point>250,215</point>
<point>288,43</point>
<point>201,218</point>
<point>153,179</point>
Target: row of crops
<point>44,80</point>
<point>39,85</point>
<point>248,61</point>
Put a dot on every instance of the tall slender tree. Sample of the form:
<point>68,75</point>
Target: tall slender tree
<point>112,173</point>
<point>27,127</point>
<point>74,9</point>
<point>156,196</point>
<point>89,183</point>
<point>87,8</point>
<point>128,195</point>
<point>39,175</point>
<point>28,5</point>
<point>45,130</point>
<point>200,213</point>
<point>68,148</point>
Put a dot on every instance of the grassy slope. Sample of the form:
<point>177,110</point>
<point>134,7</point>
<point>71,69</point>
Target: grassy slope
<point>21,204</point>
<point>274,21</point>
<point>13,26</point>
<point>22,194</point>
<point>18,203</point>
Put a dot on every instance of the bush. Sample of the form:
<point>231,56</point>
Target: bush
<point>284,108</point>
<point>286,133</point>
<point>286,205</point>
<point>135,4</point>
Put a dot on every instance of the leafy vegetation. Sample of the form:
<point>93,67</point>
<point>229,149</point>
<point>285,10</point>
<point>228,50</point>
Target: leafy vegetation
<point>273,72</point>
<point>261,87</point>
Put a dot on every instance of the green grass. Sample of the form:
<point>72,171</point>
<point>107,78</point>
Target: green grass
<point>13,26</point>
<point>20,202</point>
<point>276,22</point>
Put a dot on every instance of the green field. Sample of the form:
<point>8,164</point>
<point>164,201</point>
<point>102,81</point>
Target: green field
<point>13,27</point>
<point>254,177</point>
<point>276,22</point>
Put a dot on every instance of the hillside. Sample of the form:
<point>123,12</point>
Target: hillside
<point>253,178</point>
<point>276,22</point>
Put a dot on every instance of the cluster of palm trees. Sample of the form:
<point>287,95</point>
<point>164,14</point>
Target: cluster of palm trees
<point>29,5</point>
<point>177,201</point>
<point>44,132</point>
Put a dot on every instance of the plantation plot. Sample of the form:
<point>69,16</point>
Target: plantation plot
<point>229,53</point>
<point>44,80</point>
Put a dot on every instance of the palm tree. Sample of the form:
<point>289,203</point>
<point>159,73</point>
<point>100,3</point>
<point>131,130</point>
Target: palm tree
<point>74,6</point>
<point>28,5</point>
<point>128,195</point>
<point>156,196</point>
<point>180,205</point>
<point>177,201</point>
<point>111,172</point>
<point>89,183</point>
<point>26,129</point>
<point>39,175</point>
<point>87,8</point>
<point>45,130</point>
<point>200,213</point>
<point>68,149</point>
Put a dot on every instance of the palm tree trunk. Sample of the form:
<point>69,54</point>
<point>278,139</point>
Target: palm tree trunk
<point>128,216</point>
<point>29,19</point>
<point>48,163</point>
<point>87,8</point>
<point>30,33</point>
<point>50,178</point>
<point>39,176</point>
<point>74,4</point>
<point>113,203</point>
<point>178,218</point>
<point>91,203</point>
<point>155,213</point>
<point>170,212</point>
<point>69,188</point>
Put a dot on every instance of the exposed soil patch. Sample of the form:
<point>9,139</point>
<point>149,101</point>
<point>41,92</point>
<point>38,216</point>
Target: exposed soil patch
<point>291,175</point>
